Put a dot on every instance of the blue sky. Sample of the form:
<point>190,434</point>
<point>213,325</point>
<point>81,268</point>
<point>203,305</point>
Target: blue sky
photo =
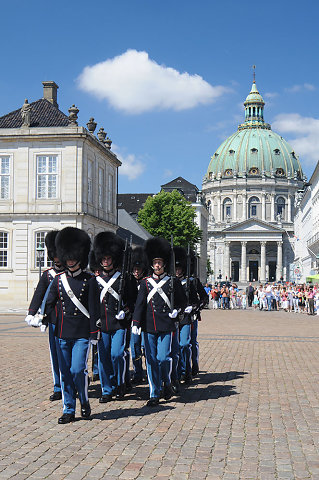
<point>167,79</point>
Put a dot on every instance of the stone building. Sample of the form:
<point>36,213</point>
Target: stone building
<point>250,188</point>
<point>54,173</point>
<point>306,262</point>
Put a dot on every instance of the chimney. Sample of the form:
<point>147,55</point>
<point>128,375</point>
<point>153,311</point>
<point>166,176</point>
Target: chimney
<point>50,90</point>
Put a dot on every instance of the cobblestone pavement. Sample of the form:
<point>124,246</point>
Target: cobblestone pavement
<point>252,413</point>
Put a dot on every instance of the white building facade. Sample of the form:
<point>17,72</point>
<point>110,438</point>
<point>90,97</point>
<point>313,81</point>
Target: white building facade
<point>54,174</point>
<point>250,189</point>
<point>306,261</point>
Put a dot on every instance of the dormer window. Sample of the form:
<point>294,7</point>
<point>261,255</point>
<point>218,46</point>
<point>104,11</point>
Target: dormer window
<point>293,154</point>
<point>277,151</point>
<point>254,150</point>
<point>280,172</point>
<point>253,171</point>
<point>231,152</point>
<point>216,154</point>
<point>228,172</point>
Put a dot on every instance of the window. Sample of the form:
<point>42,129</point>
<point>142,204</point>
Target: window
<point>281,207</point>
<point>280,172</point>
<point>254,171</point>
<point>227,204</point>
<point>40,242</point>
<point>277,151</point>
<point>101,188</point>
<point>110,194</point>
<point>47,169</point>
<point>3,249</point>
<point>228,210</point>
<point>253,207</point>
<point>254,150</point>
<point>228,172</point>
<point>90,181</point>
<point>253,210</point>
<point>4,177</point>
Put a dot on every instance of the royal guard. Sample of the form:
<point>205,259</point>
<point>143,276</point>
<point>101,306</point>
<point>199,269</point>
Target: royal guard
<point>160,298</point>
<point>95,269</point>
<point>203,300</point>
<point>183,273</point>
<point>38,301</point>
<point>75,330</point>
<point>112,303</point>
<point>139,268</point>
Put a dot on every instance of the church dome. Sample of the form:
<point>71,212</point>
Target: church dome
<point>254,150</point>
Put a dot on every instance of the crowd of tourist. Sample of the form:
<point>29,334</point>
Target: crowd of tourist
<point>289,297</point>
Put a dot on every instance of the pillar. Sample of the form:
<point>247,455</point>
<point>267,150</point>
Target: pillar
<point>263,262</point>
<point>218,208</point>
<point>244,217</point>
<point>243,267</point>
<point>226,260</point>
<point>279,260</point>
<point>288,217</point>
<point>263,207</point>
<point>272,212</point>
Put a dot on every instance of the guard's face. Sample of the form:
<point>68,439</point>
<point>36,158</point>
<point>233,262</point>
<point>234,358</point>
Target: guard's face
<point>137,272</point>
<point>179,271</point>
<point>158,266</point>
<point>57,262</point>
<point>107,262</point>
<point>72,264</point>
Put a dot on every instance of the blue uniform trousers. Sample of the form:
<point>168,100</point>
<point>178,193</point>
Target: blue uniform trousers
<point>112,360</point>
<point>54,345</point>
<point>136,353</point>
<point>175,354</point>
<point>185,349</point>
<point>158,360</point>
<point>73,357</point>
<point>195,347</point>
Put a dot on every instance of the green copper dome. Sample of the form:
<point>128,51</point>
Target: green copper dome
<point>254,150</point>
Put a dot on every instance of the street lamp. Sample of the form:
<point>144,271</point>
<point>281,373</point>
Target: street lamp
<point>40,257</point>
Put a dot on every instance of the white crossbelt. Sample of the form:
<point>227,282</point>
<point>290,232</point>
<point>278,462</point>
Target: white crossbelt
<point>72,296</point>
<point>157,288</point>
<point>52,273</point>
<point>107,286</point>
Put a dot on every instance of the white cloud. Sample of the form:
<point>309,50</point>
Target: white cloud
<point>299,88</point>
<point>305,134</point>
<point>133,83</point>
<point>132,167</point>
<point>271,95</point>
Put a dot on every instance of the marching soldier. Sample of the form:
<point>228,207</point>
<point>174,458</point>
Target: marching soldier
<point>74,329</point>
<point>155,313</point>
<point>139,271</point>
<point>182,262</point>
<point>111,306</point>
<point>39,298</point>
<point>203,300</point>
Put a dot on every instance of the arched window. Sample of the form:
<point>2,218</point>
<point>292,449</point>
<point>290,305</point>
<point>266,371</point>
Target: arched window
<point>254,207</point>
<point>227,209</point>
<point>281,207</point>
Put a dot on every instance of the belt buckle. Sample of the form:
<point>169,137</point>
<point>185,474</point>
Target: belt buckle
<point>160,290</point>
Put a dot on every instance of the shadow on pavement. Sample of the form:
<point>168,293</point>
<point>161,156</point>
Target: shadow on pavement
<point>206,377</point>
<point>118,412</point>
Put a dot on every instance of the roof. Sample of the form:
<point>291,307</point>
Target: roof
<point>132,202</point>
<point>43,114</point>
<point>187,189</point>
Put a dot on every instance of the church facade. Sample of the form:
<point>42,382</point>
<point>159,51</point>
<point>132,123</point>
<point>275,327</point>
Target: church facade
<point>250,188</point>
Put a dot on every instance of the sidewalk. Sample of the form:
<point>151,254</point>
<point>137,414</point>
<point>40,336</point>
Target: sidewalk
<point>252,413</point>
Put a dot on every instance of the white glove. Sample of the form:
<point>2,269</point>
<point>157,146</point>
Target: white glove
<point>36,321</point>
<point>94,342</point>
<point>28,319</point>
<point>43,328</point>
<point>173,314</point>
<point>188,309</point>
<point>120,315</point>
<point>136,330</point>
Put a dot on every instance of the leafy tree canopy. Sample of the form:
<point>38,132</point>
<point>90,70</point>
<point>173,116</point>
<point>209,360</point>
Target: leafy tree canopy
<point>169,213</point>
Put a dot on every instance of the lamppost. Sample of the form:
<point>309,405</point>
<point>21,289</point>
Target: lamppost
<point>40,256</point>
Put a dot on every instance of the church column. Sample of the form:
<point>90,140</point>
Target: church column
<point>263,206</point>
<point>289,209</point>
<point>272,212</point>
<point>245,206</point>
<point>218,208</point>
<point>263,262</point>
<point>279,260</point>
<point>243,267</point>
<point>234,216</point>
<point>226,260</point>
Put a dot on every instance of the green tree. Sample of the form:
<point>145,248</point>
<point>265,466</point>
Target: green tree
<point>169,213</point>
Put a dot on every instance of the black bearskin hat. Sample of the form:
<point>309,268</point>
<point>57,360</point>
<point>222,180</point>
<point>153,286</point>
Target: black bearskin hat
<point>180,258</point>
<point>50,244</point>
<point>73,244</point>
<point>158,247</point>
<point>93,264</point>
<point>108,243</point>
<point>139,259</point>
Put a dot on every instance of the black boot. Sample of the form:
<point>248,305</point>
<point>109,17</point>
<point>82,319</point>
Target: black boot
<point>168,392</point>
<point>55,396</point>
<point>120,391</point>
<point>86,410</point>
<point>66,418</point>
